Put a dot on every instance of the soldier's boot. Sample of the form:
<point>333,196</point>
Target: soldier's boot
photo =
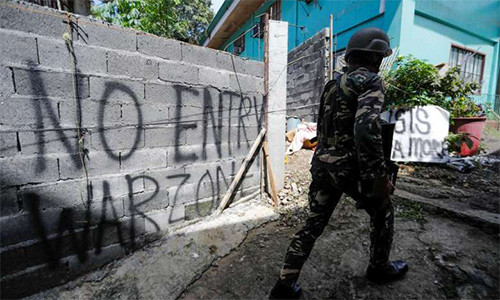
<point>285,291</point>
<point>381,232</point>
<point>393,270</point>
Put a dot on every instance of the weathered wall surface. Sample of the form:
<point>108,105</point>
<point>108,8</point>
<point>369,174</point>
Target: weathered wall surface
<point>164,127</point>
<point>307,75</point>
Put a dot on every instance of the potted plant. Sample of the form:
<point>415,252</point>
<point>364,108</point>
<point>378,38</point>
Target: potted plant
<point>467,117</point>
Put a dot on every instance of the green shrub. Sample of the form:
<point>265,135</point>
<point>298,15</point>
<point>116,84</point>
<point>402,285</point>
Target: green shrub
<point>415,82</point>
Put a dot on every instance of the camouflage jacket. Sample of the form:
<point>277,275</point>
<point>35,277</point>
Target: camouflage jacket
<point>349,128</point>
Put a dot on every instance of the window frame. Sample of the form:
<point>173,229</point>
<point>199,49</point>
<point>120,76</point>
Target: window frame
<point>482,54</point>
<point>242,46</point>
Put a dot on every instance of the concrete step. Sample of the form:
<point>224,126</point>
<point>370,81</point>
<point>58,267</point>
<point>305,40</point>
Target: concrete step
<point>483,219</point>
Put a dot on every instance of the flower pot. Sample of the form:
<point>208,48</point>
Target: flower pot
<point>474,127</point>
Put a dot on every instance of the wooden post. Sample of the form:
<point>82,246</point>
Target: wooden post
<point>241,172</point>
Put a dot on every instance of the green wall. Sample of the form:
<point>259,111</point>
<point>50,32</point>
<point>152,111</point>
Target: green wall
<point>423,28</point>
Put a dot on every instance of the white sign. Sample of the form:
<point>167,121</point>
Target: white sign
<point>419,134</point>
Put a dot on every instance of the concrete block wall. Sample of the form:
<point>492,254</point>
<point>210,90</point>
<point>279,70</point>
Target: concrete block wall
<point>165,126</point>
<point>307,75</point>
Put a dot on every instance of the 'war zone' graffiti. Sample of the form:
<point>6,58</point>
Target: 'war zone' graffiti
<point>419,134</point>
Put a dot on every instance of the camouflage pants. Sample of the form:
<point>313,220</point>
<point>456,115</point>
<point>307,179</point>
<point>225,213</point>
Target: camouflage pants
<point>323,198</point>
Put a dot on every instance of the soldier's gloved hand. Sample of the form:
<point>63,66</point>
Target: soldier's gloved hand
<point>380,190</point>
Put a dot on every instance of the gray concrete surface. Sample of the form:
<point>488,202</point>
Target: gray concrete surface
<point>168,266</point>
<point>165,126</point>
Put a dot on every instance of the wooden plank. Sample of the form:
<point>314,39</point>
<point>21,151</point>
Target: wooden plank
<point>270,175</point>
<point>241,172</point>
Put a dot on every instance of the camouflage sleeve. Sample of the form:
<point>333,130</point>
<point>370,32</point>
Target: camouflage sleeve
<point>368,130</point>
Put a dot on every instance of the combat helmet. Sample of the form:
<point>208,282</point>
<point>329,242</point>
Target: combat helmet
<point>372,39</point>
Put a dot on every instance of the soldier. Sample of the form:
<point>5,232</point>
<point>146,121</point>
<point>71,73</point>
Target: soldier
<point>349,159</point>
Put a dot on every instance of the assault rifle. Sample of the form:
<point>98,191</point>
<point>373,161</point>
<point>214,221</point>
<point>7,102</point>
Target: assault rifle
<point>392,167</point>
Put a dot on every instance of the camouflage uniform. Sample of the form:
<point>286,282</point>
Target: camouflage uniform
<point>349,155</point>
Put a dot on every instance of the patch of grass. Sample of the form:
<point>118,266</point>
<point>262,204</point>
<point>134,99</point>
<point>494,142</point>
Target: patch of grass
<point>410,211</point>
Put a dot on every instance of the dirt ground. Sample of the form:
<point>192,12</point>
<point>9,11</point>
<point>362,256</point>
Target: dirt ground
<point>448,258</point>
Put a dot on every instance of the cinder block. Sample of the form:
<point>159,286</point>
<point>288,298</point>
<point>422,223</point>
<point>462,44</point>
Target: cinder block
<point>17,170</point>
<point>213,98</point>
<point>103,34</point>
<point>94,260</point>
<point>15,229</point>
<point>246,84</point>
<point>128,139</point>
<point>185,193</point>
<point>184,155</point>
<point>47,142</point>
<point>217,173</point>
<point>145,159</point>
<point>93,113</point>
<point>132,65</point>
<point>164,178</point>
<point>6,83</point>
<point>96,163</point>
<point>216,78</point>
<point>162,219</point>
<point>201,190</point>
<point>146,113</point>
<point>158,46</point>
<point>207,134</point>
<point>201,209</point>
<point>179,72</point>
<point>106,210</point>
<point>54,195</point>
<point>8,202</point>
<point>123,231</point>
<point>158,220</point>
<point>250,180</point>
<point>55,53</point>
<point>147,201</point>
<point>32,18</point>
<point>176,214</point>
<point>55,248</point>
<point>165,136</point>
<point>13,260</point>
<point>225,61</point>
<point>161,93</point>
<point>8,144</point>
<point>117,90</point>
<point>199,55</point>
<point>116,186</point>
<point>17,49</point>
<point>248,67</point>
<point>21,110</point>
<point>53,84</point>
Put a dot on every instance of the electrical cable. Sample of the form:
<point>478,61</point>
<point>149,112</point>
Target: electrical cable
<point>172,121</point>
<point>67,36</point>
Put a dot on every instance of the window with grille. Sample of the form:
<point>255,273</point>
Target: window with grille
<point>239,45</point>
<point>471,64</point>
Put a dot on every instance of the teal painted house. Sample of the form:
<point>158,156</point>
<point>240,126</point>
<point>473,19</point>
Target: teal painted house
<point>439,31</point>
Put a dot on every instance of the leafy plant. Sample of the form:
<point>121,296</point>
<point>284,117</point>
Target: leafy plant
<point>413,83</point>
<point>182,20</point>
<point>417,83</point>
<point>455,95</point>
<point>455,141</point>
